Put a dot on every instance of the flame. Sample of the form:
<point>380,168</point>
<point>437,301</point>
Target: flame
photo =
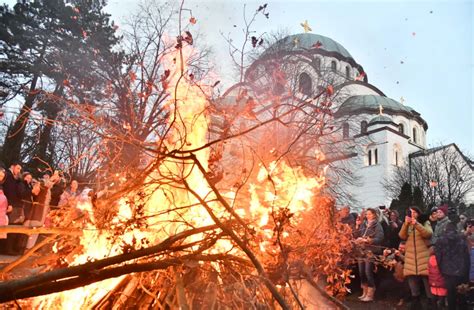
<point>276,186</point>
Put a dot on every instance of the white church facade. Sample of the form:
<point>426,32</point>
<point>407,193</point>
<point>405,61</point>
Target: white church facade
<point>378,132</point>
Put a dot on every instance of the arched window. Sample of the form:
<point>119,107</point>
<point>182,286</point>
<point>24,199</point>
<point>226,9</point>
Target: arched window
<point>333,65</point>
<point>317,63</point>
<point>397,155</point>
<point>372,156</point>
<point>348,72</point>
<point>401,128</point>
<point>363,127</point>
<point>415,136</point>
<point>305,84</point>
<point>345,130</point>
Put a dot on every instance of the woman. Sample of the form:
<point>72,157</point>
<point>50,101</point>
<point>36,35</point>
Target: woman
<point>417,236</point>
<point>369,236</point>
<point>452,255</point>
<point>70,195</point>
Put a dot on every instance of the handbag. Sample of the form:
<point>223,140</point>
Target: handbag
<point>17,216</point>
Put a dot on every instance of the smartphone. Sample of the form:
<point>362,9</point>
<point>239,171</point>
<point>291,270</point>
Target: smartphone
<point>409,212</point>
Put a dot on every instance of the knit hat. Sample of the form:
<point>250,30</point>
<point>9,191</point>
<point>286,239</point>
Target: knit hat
<point>444,208</point>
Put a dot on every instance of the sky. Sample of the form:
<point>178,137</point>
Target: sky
<point>419,50</point>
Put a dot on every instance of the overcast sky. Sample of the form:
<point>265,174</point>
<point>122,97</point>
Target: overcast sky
<point>419,50</point>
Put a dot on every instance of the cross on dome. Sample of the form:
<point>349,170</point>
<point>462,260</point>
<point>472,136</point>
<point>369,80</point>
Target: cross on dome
<point>306,27</point>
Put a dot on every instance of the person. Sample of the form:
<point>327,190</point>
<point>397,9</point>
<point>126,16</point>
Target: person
<point>461,226</point>
<point>41,198</point>
<point>11,189</point>
<point>369,236</point>
<point>436,280</point>
<point>394,283</point>
<point>453,257</point>
<point>417,255</point>
<point>4,209</point>
<point>59,185</point>
<point>25,188</point>
<point>394,227</point>
<point>433,217</point>
<point>70,195</point>
<point>442,221</point>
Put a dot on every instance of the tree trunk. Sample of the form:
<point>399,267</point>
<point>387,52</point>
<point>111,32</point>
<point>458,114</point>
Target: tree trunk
<point>16,132</point>
<point>52,108</point>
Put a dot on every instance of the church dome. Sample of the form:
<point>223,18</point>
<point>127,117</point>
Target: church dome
<point>308,41</point>
<point>380,119</point>
<point>371,104</point>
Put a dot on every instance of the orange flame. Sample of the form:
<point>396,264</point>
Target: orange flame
<point>275,187</point>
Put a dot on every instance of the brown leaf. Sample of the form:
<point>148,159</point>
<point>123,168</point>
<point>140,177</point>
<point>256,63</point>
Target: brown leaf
<point>192,20</point>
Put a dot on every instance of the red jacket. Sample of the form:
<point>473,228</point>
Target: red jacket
<point>435,278</point>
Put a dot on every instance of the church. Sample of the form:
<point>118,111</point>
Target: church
<point>376,134</point>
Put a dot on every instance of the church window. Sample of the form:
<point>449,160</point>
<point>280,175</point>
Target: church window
<point>415,136</point>
<point>345,130</point>
<point>333,65</point>
<point>348,72</point>
<point>397,155</point>
<point>372,156</point>
<point>401,128</point>
<point>305,84</point>
<point>317,63</point>
<point>363,127</point>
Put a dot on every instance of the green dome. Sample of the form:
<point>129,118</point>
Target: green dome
<point>308,41</point>
<point>372,102</point>
<point>380,118</point>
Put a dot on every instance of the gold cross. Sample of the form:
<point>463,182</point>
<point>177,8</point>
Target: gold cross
<point>380,109</point>
<point>296,41</point>
<point>306,27</point>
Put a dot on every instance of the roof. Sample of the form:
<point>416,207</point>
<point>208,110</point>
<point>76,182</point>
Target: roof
<point>306,41</point>
<point>371,104</point>
<point>380,118</point>
<point>440,148</point>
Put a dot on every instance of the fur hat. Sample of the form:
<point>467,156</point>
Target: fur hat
<point>444,208</point>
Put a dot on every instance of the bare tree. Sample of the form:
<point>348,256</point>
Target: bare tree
<point>443,174</point>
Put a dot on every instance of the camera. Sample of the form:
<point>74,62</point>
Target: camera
<point>409,213</point>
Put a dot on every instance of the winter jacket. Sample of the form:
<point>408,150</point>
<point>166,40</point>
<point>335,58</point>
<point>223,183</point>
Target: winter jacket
<point>440,228</point>
<point>435,278</point>
<point>452,254</point>
<point>471,270</point>
<point>3,213</point>
<point>11,189</point>
<point>40,205</point>
<point>416,249</point>
<point>373,231</point>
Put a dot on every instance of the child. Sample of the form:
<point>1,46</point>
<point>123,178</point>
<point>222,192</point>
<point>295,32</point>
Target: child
<point>436,280</point>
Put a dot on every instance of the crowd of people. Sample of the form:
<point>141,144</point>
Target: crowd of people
<point>421,254</point>
<point>26,201</point>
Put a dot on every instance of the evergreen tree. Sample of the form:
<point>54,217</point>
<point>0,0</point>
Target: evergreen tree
<point>405,199</point>
<point>65,46</point>
<point>418,198</point>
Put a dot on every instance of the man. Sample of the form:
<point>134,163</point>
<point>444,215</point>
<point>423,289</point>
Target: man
<point>433,217</point>
<point>11,189</point>
<point>346,217</point>
<point>442,221</point>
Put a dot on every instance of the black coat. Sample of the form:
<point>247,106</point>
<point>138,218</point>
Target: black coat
<point>452,255</point>
<point>11,189</point>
